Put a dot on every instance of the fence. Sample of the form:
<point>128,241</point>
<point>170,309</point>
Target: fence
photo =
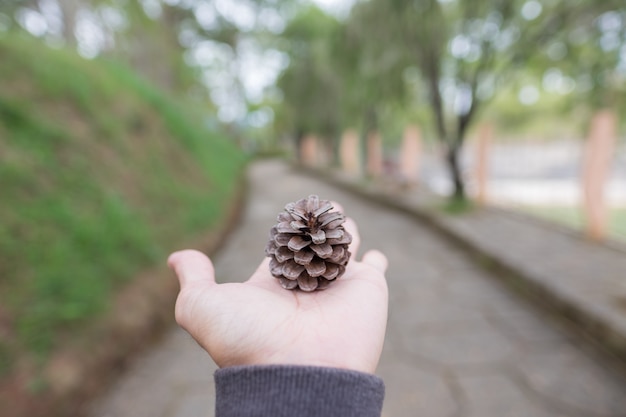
<point>546,179</point>
<point>578,182</point>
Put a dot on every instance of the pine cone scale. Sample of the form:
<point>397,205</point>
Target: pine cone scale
<point>297,243</point>
<point>307,283</point>
<point>322,284</point>
<point>282,239</point>
<point>346,238</point>
<point>285,227</point>
<point>312,203</point>
<point>316,268</point>
<point>327,218</point>
<point>322,210</point>
<point>292,270</point>
<point>334,234</point>
<point>337,255</point>
<point>332,270</point>
<point>298,225</point>
<point>323,250</point>
<point>318,237</point>
<point>304,257</point>
<point>288,284</point>
<point>276,268</point>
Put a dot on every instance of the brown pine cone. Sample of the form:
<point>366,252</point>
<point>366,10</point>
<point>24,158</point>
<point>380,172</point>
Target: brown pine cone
<point>309,246</point>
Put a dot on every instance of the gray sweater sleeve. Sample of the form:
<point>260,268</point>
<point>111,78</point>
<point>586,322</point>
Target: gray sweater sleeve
<point>296,391</point>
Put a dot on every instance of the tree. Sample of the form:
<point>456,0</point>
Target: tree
<point>465,50</point>
<point>594,60</point>
<point>310,84</point>
<point>366,97</point>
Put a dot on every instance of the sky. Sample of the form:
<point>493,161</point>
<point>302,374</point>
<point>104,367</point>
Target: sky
<point>257,70</point>
<point>339,8</point>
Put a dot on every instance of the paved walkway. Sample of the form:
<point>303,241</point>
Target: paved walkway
<point>458,344</point>
<point>584,282</point>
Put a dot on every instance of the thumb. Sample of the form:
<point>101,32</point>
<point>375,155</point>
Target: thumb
<point>191,266</point>
<point>376,259</point>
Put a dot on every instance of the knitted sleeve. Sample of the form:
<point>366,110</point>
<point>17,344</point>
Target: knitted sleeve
<point>283,390</point>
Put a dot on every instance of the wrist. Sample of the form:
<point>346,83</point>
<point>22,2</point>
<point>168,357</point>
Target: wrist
<point>348,362</point>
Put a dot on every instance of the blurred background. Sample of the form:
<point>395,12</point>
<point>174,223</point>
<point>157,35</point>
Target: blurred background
<point>125,125</point>
<point>268,73</point>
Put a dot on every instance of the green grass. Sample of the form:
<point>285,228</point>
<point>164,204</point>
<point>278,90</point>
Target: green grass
<point>101,175</point>
<point>573,217</point>
<point>457,206</point>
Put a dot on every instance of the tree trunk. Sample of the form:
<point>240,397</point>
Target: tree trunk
<point>454,152</point>
<point>69,8</point>
<point>370,126</point>
<point>455,172</point>
<point>298,140</point>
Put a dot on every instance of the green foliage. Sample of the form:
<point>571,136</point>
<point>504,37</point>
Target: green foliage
<point>554,116</point>
<point>391,59</point>
<point>101,175</point>
<point>310,84</point>
<point>375,93</point>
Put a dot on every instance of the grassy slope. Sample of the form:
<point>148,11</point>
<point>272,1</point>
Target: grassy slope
<point>100,176</point>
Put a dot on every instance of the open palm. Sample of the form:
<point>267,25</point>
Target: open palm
<point>258,322</point>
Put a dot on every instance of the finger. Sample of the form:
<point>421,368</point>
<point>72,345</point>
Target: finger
<point>351,227</point>
<point>262,271</point>
<point>376,259</point>
<point>192,266</point>
<point>336,206</point>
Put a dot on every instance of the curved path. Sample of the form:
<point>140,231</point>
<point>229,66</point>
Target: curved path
<point>457,343</point>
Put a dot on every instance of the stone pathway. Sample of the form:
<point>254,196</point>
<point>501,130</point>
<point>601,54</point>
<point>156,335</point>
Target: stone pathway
<point>458,344</point>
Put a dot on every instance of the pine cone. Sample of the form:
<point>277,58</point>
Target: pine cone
<point>309,246</point>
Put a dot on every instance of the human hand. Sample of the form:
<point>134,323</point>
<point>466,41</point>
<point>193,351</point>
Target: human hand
<point>260,323</point>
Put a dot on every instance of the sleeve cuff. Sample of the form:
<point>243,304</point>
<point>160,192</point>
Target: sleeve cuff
<point>284,390</point>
